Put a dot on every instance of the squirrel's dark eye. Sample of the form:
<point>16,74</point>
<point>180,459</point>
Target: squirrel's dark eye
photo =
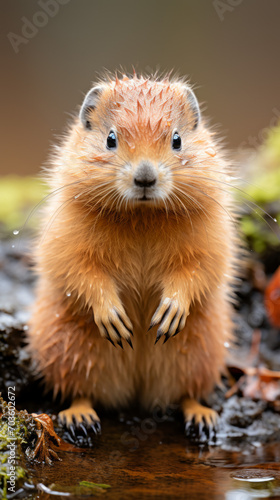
<point>176,141</point>
<point>112,140</point>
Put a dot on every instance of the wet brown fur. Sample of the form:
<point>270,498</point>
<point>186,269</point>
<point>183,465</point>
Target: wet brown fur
<point>104,249</point>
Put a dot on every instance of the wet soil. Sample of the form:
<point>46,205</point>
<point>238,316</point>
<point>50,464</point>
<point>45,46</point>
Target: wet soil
<point>148,456</point>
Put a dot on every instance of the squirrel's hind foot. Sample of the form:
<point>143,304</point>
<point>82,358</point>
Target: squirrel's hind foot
<point>80,417</point>
<point>200,422</point>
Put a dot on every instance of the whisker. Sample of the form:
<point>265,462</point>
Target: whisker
<point>53,217</point>
<point>188,196</point>
<point>197,212</point>
<point>248,203</point>
<point>185,209</point>
<point>165,205</point>
<point>209,197</point>
<point>46,198</point>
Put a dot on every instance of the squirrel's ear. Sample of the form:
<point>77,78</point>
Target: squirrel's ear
<point>193,104</point>
<point>89,104</point>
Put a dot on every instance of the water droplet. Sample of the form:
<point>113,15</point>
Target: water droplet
<point>226,344</point>
<point>68,294</point>
<point>184,162</point>
<point>15,232</point>
<point>25,328</point>
<point>210,152</point>
<point>13,246</point>
<point>275,220</point>
<point>57,315</point>
<point>77,196</point>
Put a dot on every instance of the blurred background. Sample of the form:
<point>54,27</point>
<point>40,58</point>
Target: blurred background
<point>53,49</point>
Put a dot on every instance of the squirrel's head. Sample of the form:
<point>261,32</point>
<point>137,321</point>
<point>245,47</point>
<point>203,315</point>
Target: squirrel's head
<point>135,141</point>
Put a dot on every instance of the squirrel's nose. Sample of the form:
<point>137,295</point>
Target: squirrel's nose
<point>144,182</point>
<point>145,176</point>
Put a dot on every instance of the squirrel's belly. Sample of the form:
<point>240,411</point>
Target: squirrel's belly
<point>188,365</point>
<point>142,375</point>
<point>146,376</point>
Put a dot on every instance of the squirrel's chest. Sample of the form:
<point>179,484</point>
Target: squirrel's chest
<point>140,257</point>
<point>138,264</point>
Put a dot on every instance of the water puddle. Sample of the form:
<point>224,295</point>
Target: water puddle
<point>135,460</point>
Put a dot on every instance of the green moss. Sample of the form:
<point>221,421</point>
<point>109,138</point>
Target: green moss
<point>13,433</point>
<point>273,143</point>
<point>19,473</point>
<point>89,484</point>
<point>267,188</point>
<point>19,432</point>
<point>259,228</point>
<point>18,196</point>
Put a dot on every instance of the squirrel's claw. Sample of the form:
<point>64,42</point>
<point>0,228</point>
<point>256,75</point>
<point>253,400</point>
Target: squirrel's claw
<point>81,426</point>
<point>107,336</point>
<point>116,328</point>
<point>119,342</point>
<point>94,425</point>
<point>71,428</point>
<point>130,343</point>
<point>200,431</point>
<point>97,427</point>
<point>170,317</point>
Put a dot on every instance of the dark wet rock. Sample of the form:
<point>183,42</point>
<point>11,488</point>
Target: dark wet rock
<point>256,314</point>
<point>251,315</point>
<point>14,361</point>
<point>243,331</point>
<point>15,298</point>
<point>247,419</point>
<point>79,439</point>
<point>240,412</point>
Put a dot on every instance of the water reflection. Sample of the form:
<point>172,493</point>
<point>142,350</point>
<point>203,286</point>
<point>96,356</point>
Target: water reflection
<point>167,465</point>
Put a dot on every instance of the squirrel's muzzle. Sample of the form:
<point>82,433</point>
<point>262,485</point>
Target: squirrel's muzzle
<point>145,176</point>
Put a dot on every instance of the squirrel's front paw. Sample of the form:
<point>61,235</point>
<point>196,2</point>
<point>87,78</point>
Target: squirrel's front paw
<point>114,325</point>
<point>171,317</point>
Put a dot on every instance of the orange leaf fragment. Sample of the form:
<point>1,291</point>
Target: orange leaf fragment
<point>272,299</point>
